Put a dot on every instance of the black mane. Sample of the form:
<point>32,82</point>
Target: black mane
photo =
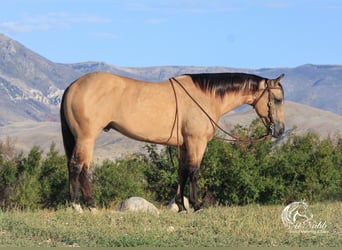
<point>223,83</point>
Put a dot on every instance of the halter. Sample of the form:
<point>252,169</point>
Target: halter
<point>270,127</point>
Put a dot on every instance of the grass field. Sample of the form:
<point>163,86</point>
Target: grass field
<point>220,226</point>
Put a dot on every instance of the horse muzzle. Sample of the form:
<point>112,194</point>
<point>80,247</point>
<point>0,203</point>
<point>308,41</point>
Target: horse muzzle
<point>276,129</point>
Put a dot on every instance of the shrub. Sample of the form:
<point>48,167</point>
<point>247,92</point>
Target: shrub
<point>161,172</point>
<point>309,168</point>
<point>267,172</point>
<point>26,190</point>
<point>53,179</point>
<point>114,181</point>
<point>32,182</point>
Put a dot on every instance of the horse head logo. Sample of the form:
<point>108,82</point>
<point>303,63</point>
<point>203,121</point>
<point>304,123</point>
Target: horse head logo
<point>296,213</point>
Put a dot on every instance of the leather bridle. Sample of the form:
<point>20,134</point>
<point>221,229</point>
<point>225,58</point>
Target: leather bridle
<point>270,125</point>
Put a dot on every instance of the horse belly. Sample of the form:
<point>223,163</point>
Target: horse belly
<point>154,127</point>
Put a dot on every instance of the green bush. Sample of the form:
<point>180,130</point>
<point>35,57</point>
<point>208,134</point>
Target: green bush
<point>161,172</point>
<point>237,173</point>
<point>32,182</point>
<point>53,179</point>
<point>114,181</point>
<point>267,172</point>
<point>26,190</point>
<point>309,168</point>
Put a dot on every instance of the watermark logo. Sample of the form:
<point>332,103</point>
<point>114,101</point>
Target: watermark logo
<point>298,218</point>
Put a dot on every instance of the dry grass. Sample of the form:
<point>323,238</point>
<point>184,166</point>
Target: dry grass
<point>221,226</point>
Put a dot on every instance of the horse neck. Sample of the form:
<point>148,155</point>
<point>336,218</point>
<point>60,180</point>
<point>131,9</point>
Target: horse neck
<point>233,100</point>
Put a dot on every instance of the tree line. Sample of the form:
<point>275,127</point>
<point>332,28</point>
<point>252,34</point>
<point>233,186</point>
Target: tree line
<point>268,172</point>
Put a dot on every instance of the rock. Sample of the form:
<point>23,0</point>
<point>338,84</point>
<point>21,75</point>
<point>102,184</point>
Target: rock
<point>173,206</point>
<point>138,204</point>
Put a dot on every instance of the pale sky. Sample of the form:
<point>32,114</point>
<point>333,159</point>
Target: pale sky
<point>232,33</point>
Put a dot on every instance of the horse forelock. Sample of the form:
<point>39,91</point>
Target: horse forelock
<point>223,83</point>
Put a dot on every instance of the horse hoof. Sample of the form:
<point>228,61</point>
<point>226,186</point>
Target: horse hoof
<point>77,208</point>
<point>198,210</point>
<point>183,212</point>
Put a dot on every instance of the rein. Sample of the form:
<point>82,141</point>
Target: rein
<point>214,124</point>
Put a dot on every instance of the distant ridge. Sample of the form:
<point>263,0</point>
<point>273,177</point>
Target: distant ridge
<point>31,85</point>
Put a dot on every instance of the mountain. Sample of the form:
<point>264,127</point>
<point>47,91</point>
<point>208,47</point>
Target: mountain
<point>31,86</point>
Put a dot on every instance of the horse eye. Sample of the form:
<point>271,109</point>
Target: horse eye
<point>277,101</point>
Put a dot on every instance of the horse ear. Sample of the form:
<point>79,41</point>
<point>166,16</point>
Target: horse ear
<point>276,81</point>
<point>279,78</point>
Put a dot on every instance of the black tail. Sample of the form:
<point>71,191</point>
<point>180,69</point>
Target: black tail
<point>68,137</point>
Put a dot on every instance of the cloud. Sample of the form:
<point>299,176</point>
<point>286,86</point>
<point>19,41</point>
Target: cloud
<point>50,21</point>
<point>16,27</point>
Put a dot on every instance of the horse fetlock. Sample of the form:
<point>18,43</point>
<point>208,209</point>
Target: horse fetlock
<point>77,207</point>
<point>180,203</point>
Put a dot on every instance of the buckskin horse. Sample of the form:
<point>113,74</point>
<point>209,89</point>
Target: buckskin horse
<point>182,111</point>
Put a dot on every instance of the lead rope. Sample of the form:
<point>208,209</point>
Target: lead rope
<point>176,122</point>
<point>235,138</point>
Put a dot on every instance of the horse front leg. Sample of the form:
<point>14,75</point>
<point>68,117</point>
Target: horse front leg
<point>191,157</point>
<point>183,173</point>
<point>194,175</point>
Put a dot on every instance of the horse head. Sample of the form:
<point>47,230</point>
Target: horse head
<point>269,105</point>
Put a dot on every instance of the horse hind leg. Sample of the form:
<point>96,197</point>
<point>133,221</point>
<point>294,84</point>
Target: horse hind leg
<point>86,188</point>
<point>74,172</point>
<point>79,174</point>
